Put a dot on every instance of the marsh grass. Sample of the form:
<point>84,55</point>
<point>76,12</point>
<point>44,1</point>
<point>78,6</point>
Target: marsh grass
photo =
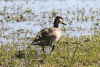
<point>69,52</point>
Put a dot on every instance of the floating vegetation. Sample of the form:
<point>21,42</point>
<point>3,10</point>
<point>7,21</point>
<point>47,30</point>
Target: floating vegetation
<point>1,20</point>
<point>86,18</point>
<point>68,11</point>
<point>54,13</point>
<point>28,11</point>
<point>97,23</point>
<point>92,17</point>
<point>90,9</point>
<point>82,17</point>
<point>22,17</point>
<point>18,20</point>
<point>64,29</point>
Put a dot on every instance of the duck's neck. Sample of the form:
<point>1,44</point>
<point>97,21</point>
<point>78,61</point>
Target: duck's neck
<point>56,25</point>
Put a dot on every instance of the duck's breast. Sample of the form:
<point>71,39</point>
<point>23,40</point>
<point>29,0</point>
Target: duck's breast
<point>58,33</point>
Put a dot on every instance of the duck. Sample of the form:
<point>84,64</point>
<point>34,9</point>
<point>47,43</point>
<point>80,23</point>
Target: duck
<point>49,36</point>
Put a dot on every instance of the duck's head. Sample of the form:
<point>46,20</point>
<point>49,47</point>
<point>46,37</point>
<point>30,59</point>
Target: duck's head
<point>58,20</point>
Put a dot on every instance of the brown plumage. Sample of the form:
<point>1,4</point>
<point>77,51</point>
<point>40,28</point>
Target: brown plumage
<point>49,36</point>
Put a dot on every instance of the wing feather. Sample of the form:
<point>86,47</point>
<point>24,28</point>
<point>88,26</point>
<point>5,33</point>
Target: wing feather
<point>42,34</point>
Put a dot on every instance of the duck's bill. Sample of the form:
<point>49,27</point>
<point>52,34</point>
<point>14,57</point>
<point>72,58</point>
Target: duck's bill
<point>64,23</point>
<point>62,20</point>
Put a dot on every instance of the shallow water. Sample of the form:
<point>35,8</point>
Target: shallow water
<point>77,14</point>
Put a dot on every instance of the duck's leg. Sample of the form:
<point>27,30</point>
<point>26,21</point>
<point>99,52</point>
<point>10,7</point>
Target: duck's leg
<point>43,49</point>
<point>53,47</point>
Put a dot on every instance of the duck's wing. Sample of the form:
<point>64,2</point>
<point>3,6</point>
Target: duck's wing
<point>42,34</point>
